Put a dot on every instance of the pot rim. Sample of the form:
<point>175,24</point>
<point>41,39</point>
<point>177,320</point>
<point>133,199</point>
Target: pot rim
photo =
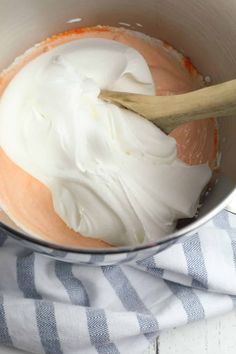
<point>189,229</point>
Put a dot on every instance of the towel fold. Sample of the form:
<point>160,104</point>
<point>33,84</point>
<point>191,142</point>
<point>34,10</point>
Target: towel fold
<point>53,307</point>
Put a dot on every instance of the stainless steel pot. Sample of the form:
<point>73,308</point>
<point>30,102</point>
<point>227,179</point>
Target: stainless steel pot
<point>205,30</point>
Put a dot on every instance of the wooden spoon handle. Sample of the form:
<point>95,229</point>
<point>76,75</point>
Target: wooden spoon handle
<point>170,111</point>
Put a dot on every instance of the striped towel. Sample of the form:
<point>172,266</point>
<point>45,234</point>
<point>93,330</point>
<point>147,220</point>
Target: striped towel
<point>53,307</point>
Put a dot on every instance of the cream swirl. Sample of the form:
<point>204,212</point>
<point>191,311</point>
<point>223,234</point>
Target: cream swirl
<point>112,174</point>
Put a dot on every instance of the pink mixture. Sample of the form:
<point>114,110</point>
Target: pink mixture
<point>29,202</point>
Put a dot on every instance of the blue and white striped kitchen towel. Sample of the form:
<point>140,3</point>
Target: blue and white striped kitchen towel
<point>52,307</point>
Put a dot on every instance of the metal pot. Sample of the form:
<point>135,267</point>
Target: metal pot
<point>203,30</point>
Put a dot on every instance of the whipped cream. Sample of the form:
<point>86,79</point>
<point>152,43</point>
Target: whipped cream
<point>113,175</point>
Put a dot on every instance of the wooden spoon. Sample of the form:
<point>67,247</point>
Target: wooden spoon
<point>170,111</point>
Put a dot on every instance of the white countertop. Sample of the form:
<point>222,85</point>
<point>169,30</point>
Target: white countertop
<point>215,336</point>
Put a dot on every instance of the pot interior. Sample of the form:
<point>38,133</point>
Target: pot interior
<point>203,30</point>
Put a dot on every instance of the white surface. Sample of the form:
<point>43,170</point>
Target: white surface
<point>215,336</point>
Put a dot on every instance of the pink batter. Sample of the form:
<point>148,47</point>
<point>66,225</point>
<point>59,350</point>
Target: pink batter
<point>28,202</point>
